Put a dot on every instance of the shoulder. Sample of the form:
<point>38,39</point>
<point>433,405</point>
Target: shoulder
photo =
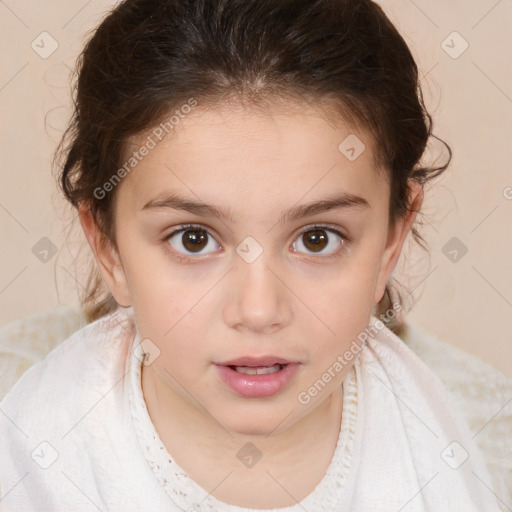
<point>28,340</point>
<point>54,390</point>
<point>475,384</point>
<point>482,393</point>
<point>67,418</point>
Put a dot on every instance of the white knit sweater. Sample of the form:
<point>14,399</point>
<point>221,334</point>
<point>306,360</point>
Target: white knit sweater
<point>483,394</point>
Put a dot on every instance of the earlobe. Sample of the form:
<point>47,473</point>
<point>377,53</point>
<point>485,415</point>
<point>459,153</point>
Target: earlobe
<point>107,257</point>
<point>396,241</point>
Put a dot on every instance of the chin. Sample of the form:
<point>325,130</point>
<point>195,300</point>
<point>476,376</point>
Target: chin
<point>245,423</point>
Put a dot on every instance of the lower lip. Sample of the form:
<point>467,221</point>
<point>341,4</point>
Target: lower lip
<point>255,386</point>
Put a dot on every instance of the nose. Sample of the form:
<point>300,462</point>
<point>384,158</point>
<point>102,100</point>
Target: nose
<point>259,300</point>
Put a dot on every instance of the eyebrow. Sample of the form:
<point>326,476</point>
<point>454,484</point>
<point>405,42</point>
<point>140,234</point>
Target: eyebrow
<point>175,202</point>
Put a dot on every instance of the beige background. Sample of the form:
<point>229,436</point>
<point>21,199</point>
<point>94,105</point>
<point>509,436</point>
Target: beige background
<point>467,303</point>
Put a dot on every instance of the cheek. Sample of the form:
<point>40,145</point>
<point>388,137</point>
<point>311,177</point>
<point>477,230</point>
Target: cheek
<point>166,312</point>
<point>177,331</point>
<point>151,284</point>
<point>345,316</point>
<point>342,304</point>
<point>169,310</point>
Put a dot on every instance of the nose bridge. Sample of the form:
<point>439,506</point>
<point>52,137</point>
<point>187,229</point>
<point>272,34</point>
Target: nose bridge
<point>259,297</point>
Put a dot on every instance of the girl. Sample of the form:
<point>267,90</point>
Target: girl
<point>245,173</point>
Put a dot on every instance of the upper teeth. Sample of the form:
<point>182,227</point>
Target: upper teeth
<point>259,370</point>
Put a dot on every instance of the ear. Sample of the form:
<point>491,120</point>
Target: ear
<point>107,257</point>
<point>396,238</point>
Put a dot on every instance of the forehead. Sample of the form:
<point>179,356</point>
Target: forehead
<point>288,149</point>
<point>263,120</point>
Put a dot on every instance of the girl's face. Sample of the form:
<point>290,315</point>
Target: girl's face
<point>288,254</point>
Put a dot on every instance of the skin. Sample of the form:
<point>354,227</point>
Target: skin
<point>291,301</point>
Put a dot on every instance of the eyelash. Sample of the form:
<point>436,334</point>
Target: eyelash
<point>313,227</point>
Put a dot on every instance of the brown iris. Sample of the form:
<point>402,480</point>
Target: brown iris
<point>315,240</point>
<point>194,240</point>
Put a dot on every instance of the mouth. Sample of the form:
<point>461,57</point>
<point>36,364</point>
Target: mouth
<point>257,381</point>
<point>263,361</point>
<point>258,370</point>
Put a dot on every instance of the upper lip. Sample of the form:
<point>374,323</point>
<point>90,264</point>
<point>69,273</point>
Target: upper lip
<point>255,361</point>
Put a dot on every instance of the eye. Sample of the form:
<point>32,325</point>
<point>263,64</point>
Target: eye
<point>192,239</point>
<point>317,238</point>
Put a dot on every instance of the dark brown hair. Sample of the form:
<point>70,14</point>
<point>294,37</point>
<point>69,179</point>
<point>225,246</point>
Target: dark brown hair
<point>148,57</point>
